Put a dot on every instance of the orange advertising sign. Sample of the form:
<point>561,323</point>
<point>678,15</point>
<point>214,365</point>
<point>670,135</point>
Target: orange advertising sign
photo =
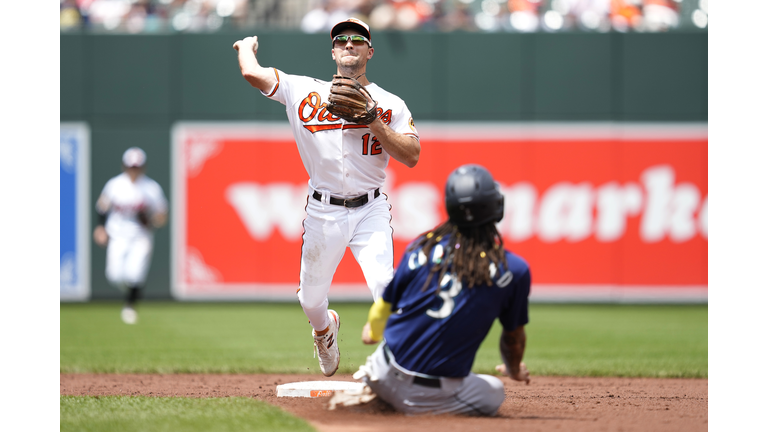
<point>601,212</point>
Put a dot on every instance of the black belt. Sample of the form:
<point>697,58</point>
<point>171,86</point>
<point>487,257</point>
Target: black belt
<point>426,382</point>
<point>349,202</point>
<point>418,380</point>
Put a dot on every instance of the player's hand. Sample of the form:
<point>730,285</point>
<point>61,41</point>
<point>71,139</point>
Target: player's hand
<point>159,220</point>
<point>251,42</point>
<point>521,375</point>
<point>502,369</point>
<point>367,335</point>
<point>100,236</point>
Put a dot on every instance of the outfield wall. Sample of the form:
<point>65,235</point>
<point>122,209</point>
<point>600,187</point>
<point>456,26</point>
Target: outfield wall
<point>133,89</point>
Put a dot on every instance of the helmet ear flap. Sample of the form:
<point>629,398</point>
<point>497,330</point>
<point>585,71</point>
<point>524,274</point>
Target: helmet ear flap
<point>500,211</point>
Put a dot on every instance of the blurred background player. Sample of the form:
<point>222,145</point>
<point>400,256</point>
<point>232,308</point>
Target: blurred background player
<point>131,206</point>
<point>346,164</point>
<point>451,285</point>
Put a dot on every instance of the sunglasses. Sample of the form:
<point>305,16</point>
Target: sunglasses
<point>356,40</point>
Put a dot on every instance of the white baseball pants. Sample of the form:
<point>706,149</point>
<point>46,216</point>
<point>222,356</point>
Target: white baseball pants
<point>128,260</point>
<point>479,395</point>
<point>328,230</point>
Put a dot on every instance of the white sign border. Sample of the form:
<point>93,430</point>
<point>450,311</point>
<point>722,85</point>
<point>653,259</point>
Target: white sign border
<point>81,291</point>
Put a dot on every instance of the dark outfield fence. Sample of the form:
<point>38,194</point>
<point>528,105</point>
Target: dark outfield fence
<point>130,89</point>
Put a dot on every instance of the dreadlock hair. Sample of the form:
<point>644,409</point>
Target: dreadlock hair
<point>469,253</point>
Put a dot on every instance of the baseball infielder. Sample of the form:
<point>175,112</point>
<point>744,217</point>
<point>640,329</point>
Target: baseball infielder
<point>130,207</point>
<point>451,285</point>
<point>345,162</point>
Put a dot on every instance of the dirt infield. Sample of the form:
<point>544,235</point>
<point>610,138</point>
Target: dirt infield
<point>548,403</point>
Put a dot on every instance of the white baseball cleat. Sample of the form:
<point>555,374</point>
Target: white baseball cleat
<point>327,345</point>
<point>129,315</point>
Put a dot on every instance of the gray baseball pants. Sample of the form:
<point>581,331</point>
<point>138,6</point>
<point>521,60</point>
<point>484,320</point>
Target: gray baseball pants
<point>414,393</point>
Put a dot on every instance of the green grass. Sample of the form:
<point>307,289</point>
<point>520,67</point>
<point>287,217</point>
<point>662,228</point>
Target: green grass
<point>574,340</point>
<point>139,413</point>
<point>611,340</point>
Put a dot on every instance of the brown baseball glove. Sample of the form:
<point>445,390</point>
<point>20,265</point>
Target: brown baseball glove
<point>351,101</point>
<point>143,218</point>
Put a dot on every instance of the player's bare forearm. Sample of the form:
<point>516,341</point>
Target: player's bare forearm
<point>403,148</point>
<point>512,347</point>
<point>260,77</point>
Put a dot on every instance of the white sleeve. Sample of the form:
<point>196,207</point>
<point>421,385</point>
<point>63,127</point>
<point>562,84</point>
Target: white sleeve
<point>103,202</point>
<point>281,91</point>
<point>157,201</point>
<point>402,121</point>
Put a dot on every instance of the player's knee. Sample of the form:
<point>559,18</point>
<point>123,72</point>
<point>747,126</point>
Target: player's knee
<point>488,395</point>
<point>377,290</point>
<point>376,283</point>
<point>313,297</point>
<point>494,394</point>
<point>114,277</point>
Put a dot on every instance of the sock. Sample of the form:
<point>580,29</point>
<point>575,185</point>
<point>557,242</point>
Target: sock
<point>134,292</point>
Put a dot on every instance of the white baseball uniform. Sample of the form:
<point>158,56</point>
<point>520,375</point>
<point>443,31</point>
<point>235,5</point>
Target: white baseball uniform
<point>344,161</point>
<point>129,250</point>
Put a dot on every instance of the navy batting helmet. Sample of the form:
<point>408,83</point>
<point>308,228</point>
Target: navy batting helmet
<point>472,197</point>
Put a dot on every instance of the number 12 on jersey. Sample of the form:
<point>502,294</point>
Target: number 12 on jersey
<point>373,142</point>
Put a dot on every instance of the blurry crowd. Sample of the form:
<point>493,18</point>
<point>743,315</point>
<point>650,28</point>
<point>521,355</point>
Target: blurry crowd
<point>152,16</point>
<point>147,16</point>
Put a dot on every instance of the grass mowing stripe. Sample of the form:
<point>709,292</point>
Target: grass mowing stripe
<point>592,340</point>
<point>132,413</point>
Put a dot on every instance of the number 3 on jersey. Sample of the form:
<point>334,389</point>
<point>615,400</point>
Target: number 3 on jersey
<point>447,295</point>
<point>371,146</point>
<point>450,287</point>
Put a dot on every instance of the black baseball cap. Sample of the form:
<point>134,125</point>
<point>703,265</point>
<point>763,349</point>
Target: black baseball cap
<point>351,23</point>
